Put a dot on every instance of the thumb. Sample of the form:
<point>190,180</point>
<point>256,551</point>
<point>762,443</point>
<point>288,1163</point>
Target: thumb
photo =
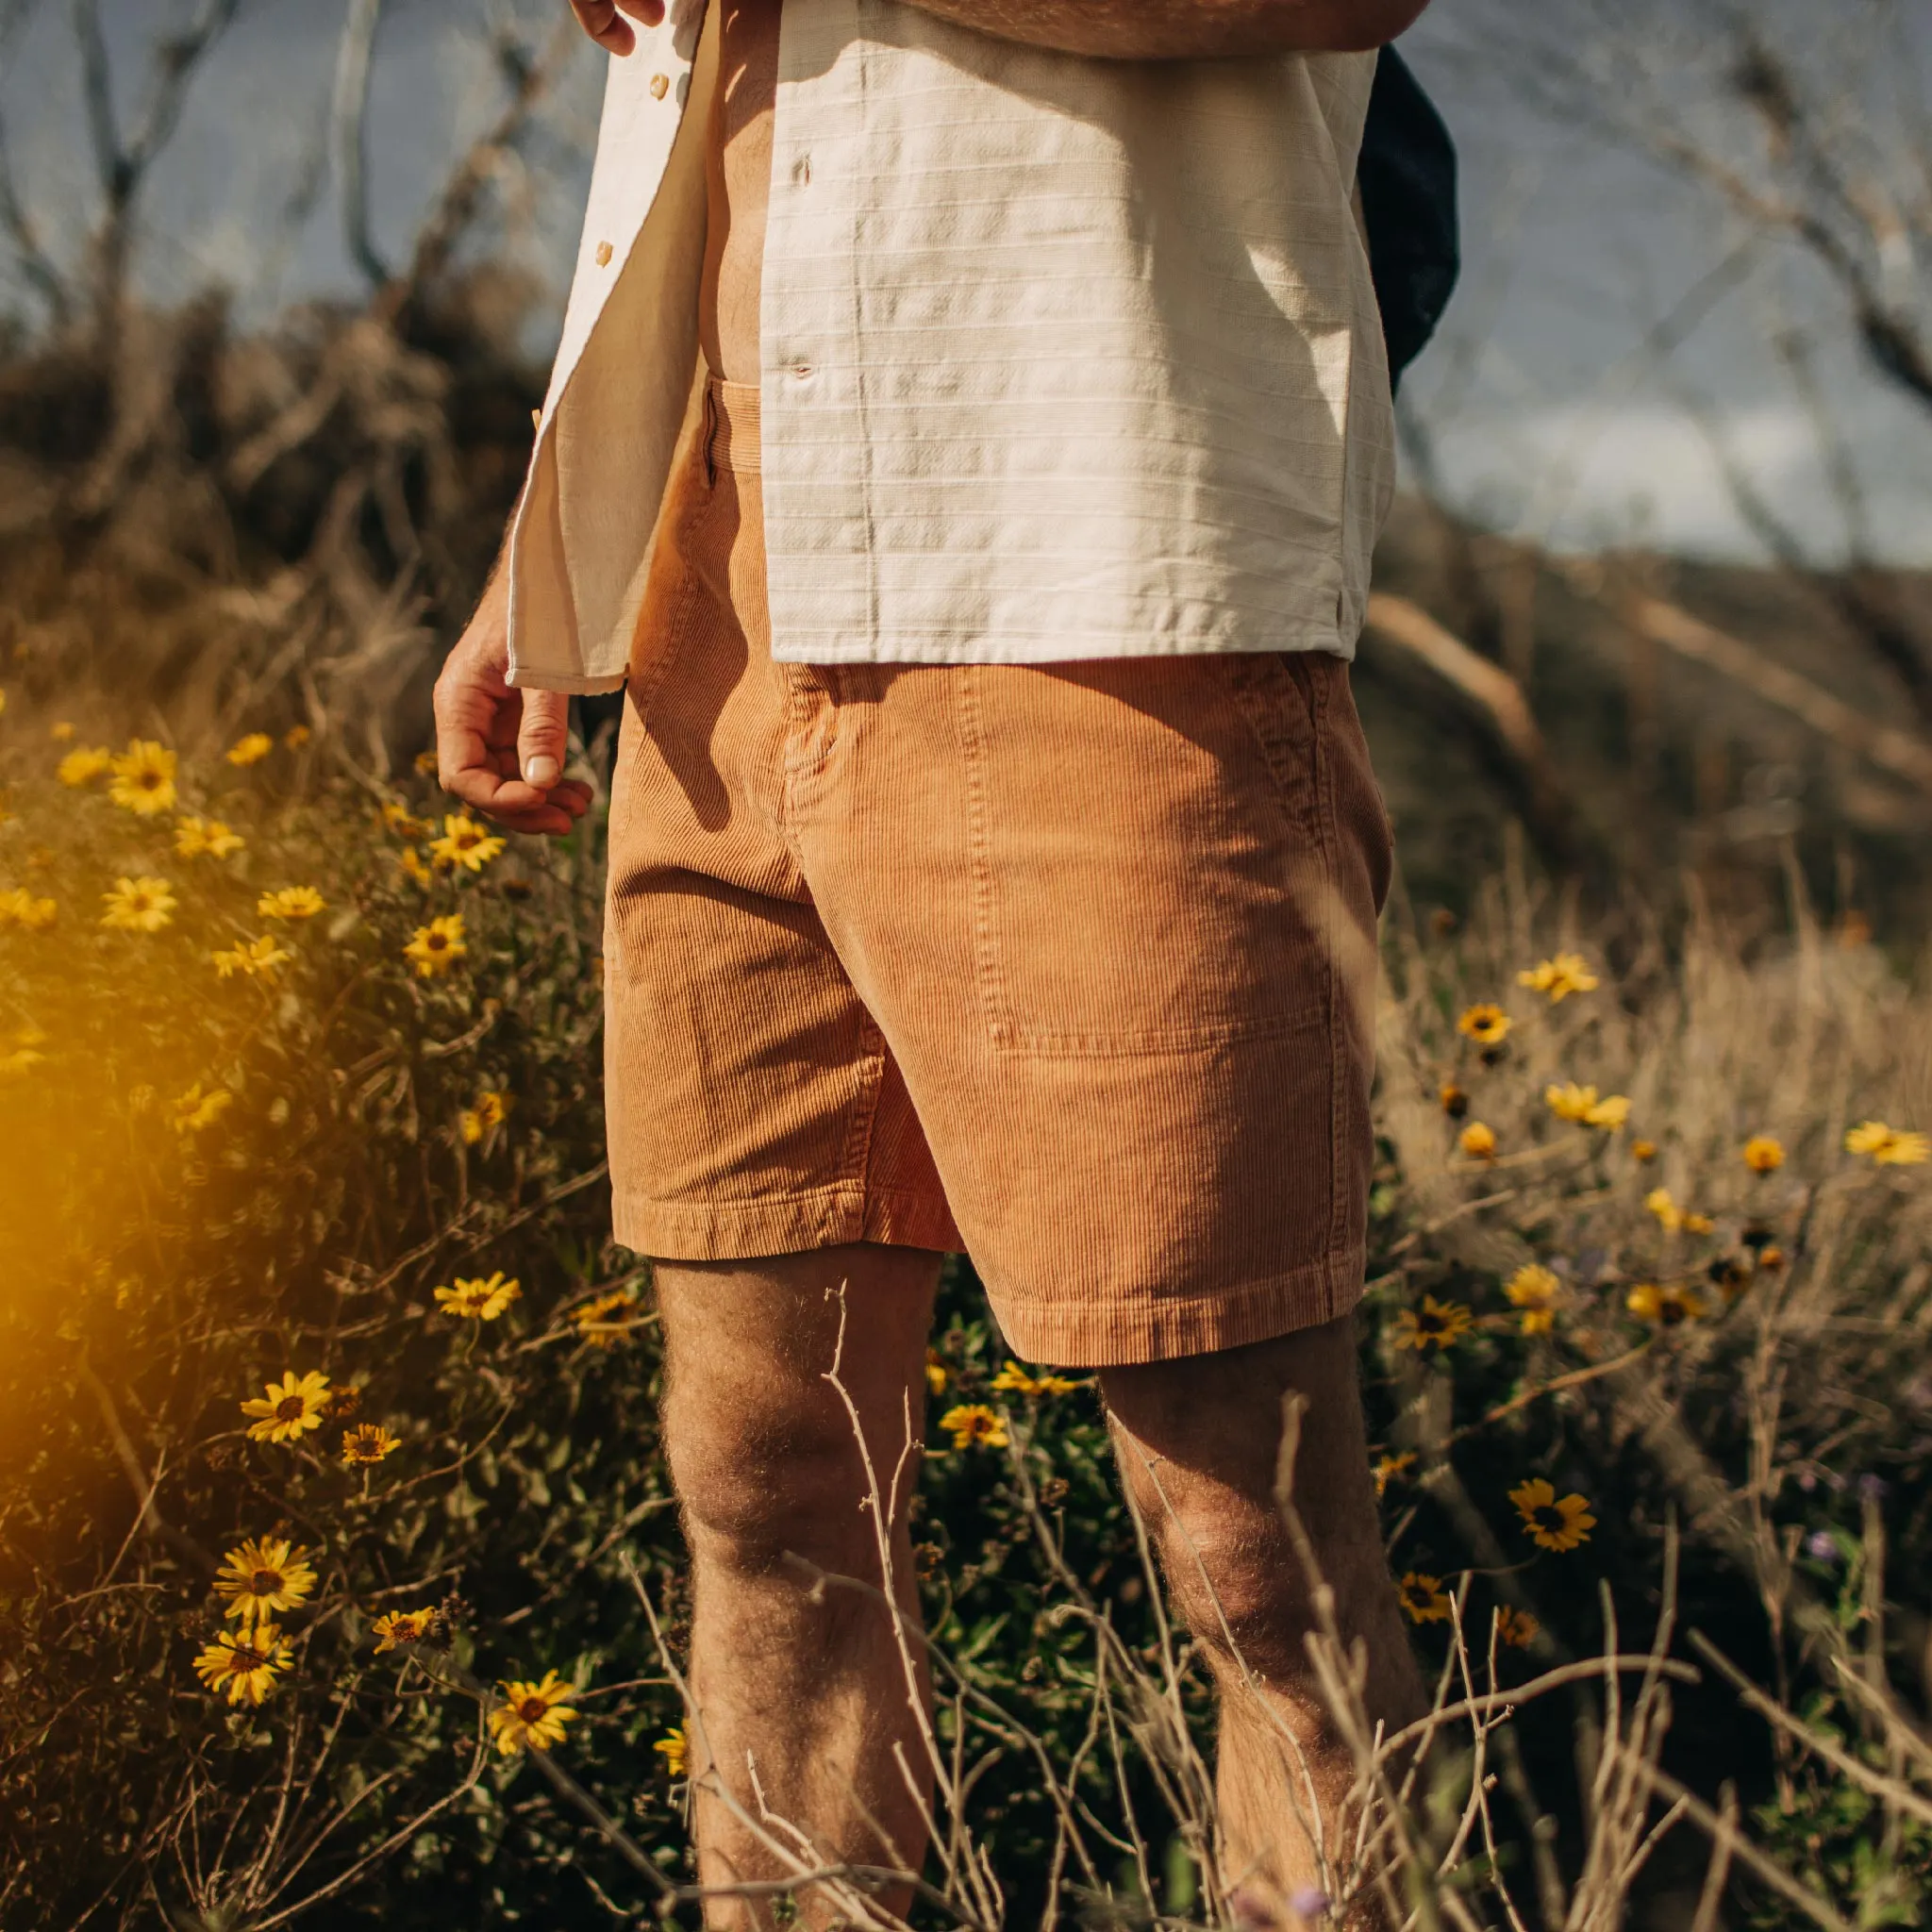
<point>540,737</point>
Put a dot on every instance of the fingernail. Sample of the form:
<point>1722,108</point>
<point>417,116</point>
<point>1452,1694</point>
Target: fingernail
<point>543,769</point>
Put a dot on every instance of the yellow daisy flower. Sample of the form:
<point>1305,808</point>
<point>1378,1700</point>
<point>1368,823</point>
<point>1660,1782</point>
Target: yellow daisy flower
<point>62,732</point>
<point>675,1748</point>
<point>368,1442</point>
<point>1560,976</point>
<point>1455,1101</point>
<point>1763,1155</point>
<point>479,1300</point>
<point>1668,1306</point>
<point>532,1716</point>
<point>84,766</point>
<point>1554,1522</point>
<point>425,763</point>
<point>396,1628</point>
<point>1486,1023</point>
<point>1388,1467</point>
<point>464,843</point>
<point>1643,1150</point>
<point>143,778</point>
<point>1534,1288</point>
<point>937,1376</point>
<point>1423,1598</point>
<point>252,958</point>
<point>1018,1381</point>
<point>973,1425</point>
<point>206,838</point>
<point>143,905</point>
<point>290,903</point>
<point>245,1662</point>
<point>1570,1102</point>
<point>592,1319</point>
<point>1477,1142</point>
<point>1516,1629</point>
<point>400,820</point>
<point>261,1576</point>
<point>436,947</point>
<point>291,1408</point>
<point>490,1110</point>
<point>296,736</point>
<point>250,750</point>
<point>1889,1146</point>
<point>410,860</point>
<point>1436,1325</point>
<point>24,909</point>
<point>200,1107</point>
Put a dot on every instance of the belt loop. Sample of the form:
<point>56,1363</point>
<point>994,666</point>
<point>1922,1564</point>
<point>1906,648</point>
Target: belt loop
<point>711,434</point>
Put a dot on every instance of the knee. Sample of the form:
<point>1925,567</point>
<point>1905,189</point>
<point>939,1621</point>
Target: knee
<point>1242,1593</point>
<point>756,1484</point>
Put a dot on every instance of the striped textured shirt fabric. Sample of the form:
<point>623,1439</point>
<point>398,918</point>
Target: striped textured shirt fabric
<point>1060,357</point>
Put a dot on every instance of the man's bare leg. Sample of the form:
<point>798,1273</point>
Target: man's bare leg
<point>1211,1427</point>
<point>805,1687</point>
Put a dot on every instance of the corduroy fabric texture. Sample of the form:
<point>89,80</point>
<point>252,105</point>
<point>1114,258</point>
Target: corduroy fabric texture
<point>1069,966</point>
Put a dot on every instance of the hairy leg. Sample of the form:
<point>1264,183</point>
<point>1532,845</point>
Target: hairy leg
<point>1198,1441</point>
<point>801,1693</point>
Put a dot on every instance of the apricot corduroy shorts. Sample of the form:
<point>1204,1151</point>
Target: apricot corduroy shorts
<point>1069,966</point>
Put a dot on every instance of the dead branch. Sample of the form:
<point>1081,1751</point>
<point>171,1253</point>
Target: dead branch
<point>1901,753</point>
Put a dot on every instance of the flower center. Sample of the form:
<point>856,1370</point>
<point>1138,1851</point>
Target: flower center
<point>265,1582</point>
<point>1671,1313</point>
<point>291,1409</point>
<point>533,1710</point>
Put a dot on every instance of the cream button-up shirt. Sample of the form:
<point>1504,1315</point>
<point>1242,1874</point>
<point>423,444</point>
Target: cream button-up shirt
<point>1060,357</point>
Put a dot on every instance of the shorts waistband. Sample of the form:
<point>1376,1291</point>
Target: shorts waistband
<point>731,427</point>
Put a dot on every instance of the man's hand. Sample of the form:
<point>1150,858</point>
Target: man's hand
<point>603,19</point>
<point>499,749</point>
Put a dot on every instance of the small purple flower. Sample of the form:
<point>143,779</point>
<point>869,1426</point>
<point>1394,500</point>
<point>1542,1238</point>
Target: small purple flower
<point>1822,1545</point>
<point>1807,1480</point>
<point>1873,1487</point>
<point>1311,1902</point>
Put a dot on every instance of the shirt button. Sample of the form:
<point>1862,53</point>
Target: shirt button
<point>659,85</point>
<point>603,255</point>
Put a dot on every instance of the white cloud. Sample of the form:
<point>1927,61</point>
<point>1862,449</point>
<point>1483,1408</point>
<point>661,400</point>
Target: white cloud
<point>1580,476</point>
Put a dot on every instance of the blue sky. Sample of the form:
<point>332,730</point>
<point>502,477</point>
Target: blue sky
<point>1549,416</point>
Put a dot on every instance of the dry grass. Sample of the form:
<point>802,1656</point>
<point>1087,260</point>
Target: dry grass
<point>1756,1472</point>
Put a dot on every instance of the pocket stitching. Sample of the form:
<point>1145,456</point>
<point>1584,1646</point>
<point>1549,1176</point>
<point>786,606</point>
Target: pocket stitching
<point>1009,1037</point>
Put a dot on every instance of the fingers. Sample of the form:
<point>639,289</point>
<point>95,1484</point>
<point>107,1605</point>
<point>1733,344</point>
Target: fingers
<point>520,808</point>
<point>604,22</point>
<point>480,724</point>
<point>540,737</point>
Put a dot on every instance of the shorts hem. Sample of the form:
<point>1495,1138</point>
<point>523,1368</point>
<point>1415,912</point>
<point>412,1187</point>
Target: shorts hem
<point>1107,1334</point>
<point>783,1224</point>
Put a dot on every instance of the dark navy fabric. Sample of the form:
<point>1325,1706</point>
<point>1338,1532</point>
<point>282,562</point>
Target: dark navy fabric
<point>1407,174</point>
